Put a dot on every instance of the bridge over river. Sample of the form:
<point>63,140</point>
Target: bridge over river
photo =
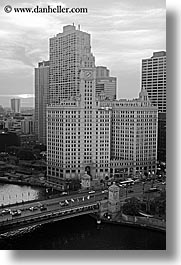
<point>33,213</point>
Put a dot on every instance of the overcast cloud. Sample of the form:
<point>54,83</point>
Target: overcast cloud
<point>122,31</point>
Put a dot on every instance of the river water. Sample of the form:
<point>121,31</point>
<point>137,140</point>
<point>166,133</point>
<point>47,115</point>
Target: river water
<point>10,193</point>
<point>76,233</point>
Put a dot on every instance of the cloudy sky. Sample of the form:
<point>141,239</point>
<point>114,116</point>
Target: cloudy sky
<point>122,31</point>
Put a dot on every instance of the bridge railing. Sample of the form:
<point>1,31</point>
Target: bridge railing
<point>50,214</point>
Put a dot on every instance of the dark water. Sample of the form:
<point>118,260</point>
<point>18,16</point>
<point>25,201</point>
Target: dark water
<point>10,193</point>
<point>80,233</point>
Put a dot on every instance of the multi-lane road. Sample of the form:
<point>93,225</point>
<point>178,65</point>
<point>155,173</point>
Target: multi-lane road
<point>138,189</point>
<point>51,205</point>
<point>40,208</point>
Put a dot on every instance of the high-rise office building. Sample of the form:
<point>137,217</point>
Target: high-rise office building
<point>78,132</point>
<point>41,99</point>
<point>67,52</point>
<point>105,83</point>
<point>15,105</point>
<point>86,132</point>
<point>154,81</point>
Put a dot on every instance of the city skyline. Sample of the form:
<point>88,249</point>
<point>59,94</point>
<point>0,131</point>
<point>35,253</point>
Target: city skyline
<point>111,42</point>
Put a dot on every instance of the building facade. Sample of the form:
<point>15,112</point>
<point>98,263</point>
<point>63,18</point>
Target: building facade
<point>133,136</point>
<point>154,81</point>
<point>41,99</point>
<point>67,52</point>
<point>87,132</point>
<point>28,126</point>
<point>105,83</point>
<point>15,105</point>
<point>79,132</point>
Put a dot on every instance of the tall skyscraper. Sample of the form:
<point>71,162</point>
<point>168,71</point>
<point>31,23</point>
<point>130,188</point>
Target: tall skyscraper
<point>41,99</point>
<point>154,81</point>
<point>67,52</point>
<point>105,83</point>
<point>15,105</point>
<point>78,132</point>
<point>85,131</point>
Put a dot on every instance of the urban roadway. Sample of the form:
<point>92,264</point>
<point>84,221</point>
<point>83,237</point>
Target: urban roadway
<point>36,210</point>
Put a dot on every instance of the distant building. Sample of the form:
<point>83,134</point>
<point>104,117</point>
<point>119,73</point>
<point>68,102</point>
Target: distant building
<point>154,81</point>
<point>15,105</point>
<point>1,110</point>
<point>12,124</point>
<point>27,140</point>
<point>28,126</point>
<point>105,83</point>
<point>41,99</point>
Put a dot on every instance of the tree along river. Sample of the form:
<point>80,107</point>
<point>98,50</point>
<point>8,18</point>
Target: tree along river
<point>76,233</point>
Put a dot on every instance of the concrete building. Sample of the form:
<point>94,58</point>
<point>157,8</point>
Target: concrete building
<point>67,51</point>
<point>133,136</point>
<point>1,111</point>
<point>28,126</point>
<point>105,83</point>
<point>88,132</point>
<point>79,132</point>
<point>41,99</point>
<point>15,105</point>
<point>154,81</point>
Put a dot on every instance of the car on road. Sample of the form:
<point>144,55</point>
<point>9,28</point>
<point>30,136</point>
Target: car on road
<point>43,208</point>
<point>6,211</point>
<point>64,193</point>
<point>154,189</point>
<point>64,203</point>
<point>92,191</point>
<point>33,208</point>
<point>104,191</point>
<point>16,213</point>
